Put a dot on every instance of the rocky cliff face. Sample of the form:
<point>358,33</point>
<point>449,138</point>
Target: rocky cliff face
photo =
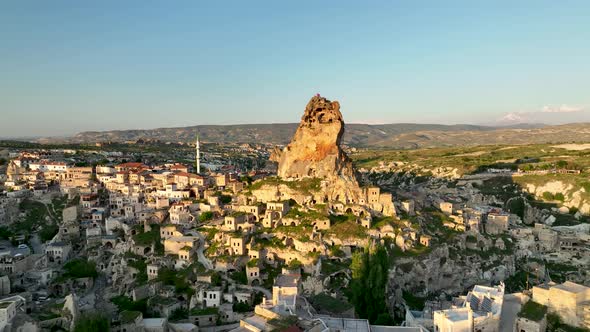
<point>314,151</point>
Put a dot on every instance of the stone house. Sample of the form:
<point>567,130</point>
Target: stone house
<point>569,300</point>
<point>282,207</point>
<point>285,291</point>
<point>253,274</point>
<point>152,271</point>
<point>203,317</point>
<point>210,297</point>
<point>408,206</point>
<point>163,306</point>
<point>425,240</point>
<point>446,207</point>
<point>173,245</point>
<point>235,221</point>
<point>58,252</point>
<point>237,246</point>
<point>497,223</point>
<point>523,324</point>
<point>256,210</point>
<point>169,231</point>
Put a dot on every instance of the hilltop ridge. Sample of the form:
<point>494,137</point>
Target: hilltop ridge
<point>399,136</point>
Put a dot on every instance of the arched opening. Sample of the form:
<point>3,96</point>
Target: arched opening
<point>255,282</point>
<point>147,250</point>
<point>293,224</point>
<point>349,210</point>
<point>108,245</point>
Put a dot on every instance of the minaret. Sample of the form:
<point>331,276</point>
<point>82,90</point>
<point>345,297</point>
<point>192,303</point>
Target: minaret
<point>198,156</point>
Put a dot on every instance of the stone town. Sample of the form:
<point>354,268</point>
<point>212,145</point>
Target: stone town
<point>165,246</point>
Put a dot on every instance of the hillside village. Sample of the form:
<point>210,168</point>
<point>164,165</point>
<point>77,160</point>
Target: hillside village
<point>158,245</point>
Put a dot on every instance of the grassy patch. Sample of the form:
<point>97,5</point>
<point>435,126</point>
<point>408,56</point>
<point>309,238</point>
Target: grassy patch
<point>325,302</point>
<point>533,311</point>
<point>80,268</point>
<point>414,302</point>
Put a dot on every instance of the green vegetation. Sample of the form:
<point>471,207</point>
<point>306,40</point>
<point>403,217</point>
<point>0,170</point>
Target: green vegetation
<point>240,277</point>
<point>305,186</point>
<point>147,238</point>
<point>367,288</point>
<point>345,226</point>
<point>125,303</point>
<point>178,314</point>
<point>294,264</point>
<point>178,279</point>
<point>80,268</point>
<point>138,263</point>
<point>253,262</point>
<point>204,311</point>
<point>47,232</point>
<point>128,316</point>
<point>558,272</point>
<point>5,233</point>
<point>301,232</point>
<point>533,311</point>
<point>330,266</point>
<point>92,323</point>
<point>325,302</point>
<point>206,216</point>
<point>273,242</point>
<point>283,323</point>
<point>480,158</point>
<point>225,199</point>
<point>35,215</point>
<point>242,307</point>
<point>414,302</point>
<point>520,281</point>
<point>554,323</point>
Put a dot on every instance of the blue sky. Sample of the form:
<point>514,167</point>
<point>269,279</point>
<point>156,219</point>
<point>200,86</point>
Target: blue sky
<point>70,66</point>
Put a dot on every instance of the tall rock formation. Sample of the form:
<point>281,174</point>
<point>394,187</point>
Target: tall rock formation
<point>315,152</point>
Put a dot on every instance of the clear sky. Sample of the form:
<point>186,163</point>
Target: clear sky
<point>70,66</point>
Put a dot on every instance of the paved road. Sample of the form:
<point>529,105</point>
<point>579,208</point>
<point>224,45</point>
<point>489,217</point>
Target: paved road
<point>35,243</point>
<point>200,256</point>
<point>263,290</point>
<point>510,309</point>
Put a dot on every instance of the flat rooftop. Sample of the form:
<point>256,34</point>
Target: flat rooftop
<point>572,287</point>
<point>287,280</point>
<point>457,315</point>
<point>347,324</point>
<point>154,322</point>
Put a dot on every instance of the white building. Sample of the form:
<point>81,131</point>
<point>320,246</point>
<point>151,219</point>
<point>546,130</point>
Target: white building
<point>478,311</point>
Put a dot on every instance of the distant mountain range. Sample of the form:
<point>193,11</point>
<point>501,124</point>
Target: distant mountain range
<point>399,135</point>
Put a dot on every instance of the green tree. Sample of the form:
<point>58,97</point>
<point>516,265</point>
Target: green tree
<point>561,164</point>
<point>92,323</point>
<point>206,216</point>
<point>369,280</point>
<point>548,196</point>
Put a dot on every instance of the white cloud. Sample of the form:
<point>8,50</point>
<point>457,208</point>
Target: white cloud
<point>513,118</point>
<point>561,109</point>
<point>547,114</point>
